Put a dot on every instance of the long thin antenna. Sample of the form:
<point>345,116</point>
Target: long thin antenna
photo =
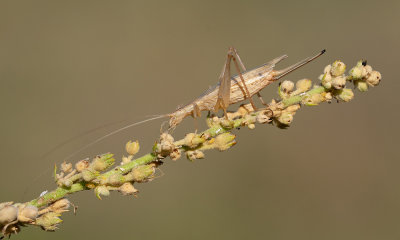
<point>110,134</point>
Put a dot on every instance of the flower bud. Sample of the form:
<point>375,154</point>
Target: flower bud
<point>338,68</point>
<point>115,179</point>
<point>303,85</point>
<point>88,175</point>
<point>327,68</point>
<point>192,140</point>
<point>361,85</point>
<point>374,78</point>
<point>339,82</point>
<point>264,116</point>
<point>82,165</point>
<point>66,167</point>
<point>102,162</point>
<point>287,86</point>
<point>226,123</point>
<point>27,213</point>
<point>127,189</point>
<point>8,214</point>
<point>48,221</point>
<point>101,190</point>
<point>345,94</point>
<point>193,155</point>
<point>175,155</point>
<point>60,206</point>
<point>356,72</point>
<point>326,80</point>
<point>143,173</point>
<point>132,147</point>
<point>285,118</point>
<point>224,141</point>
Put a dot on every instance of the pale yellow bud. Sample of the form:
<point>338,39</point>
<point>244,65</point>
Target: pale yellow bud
<point>345,94</point>
<point>327,69</point>
<point>82,165</point>
<point>357,72</point>
<point>175,155</point>
<point>132,147</point>
<point>8,214</point>
<point>303,85</point>
<point>286,118</point>
<point>338,68</point>
<point>66,167</point>
<point>127,189</point>
<point>287,86</point>
<point>374,78</point>
<point>60,206</point>
<point>339,82</point>
<point>193,155</point>
<point>28,213</point>
<point>224,141</point>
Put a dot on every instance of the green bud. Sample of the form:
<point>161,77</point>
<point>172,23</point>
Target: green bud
<point>48,221</point>
<point>88,175</point>
<point>338,68</point>
<point>143,173</point>
<point>115,179</point>
<point>361,85</point>
<point>101,190</point>
<point>102,162</point>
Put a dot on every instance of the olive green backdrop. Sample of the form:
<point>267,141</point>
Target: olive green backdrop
<point>70,66</point>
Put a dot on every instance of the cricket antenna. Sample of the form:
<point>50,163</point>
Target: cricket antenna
<point>279,74</point>
<point>112,133</point>
<point>90,144</point>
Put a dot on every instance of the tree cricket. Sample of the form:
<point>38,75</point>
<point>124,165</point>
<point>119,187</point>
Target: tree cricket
<point>231,90</point>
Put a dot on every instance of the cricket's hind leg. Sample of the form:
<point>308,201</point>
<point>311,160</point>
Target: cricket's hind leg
<point>223,99</point>
<point>236,60</point>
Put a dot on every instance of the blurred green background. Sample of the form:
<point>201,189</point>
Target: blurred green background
<point>70,66</point>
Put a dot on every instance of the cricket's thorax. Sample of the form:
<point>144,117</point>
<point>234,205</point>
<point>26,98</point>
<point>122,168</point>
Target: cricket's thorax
<point>255,79</point>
